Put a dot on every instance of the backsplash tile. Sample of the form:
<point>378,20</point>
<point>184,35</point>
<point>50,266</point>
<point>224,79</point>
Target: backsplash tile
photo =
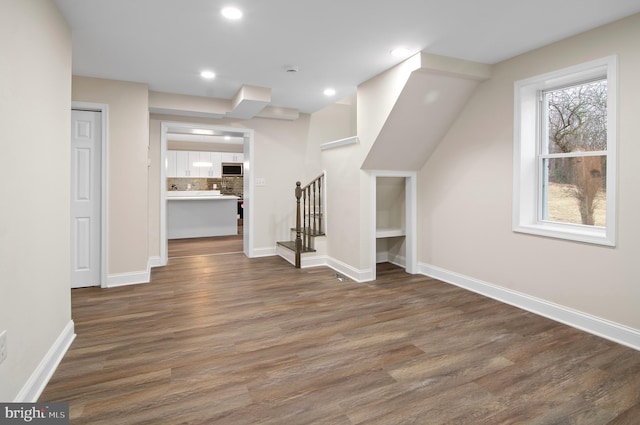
<point>227,185</point>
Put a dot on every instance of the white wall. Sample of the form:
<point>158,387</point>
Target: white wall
<point>465,192</point>
<point>128,133</point>
<point>35,103</point>
<point>349,212</point>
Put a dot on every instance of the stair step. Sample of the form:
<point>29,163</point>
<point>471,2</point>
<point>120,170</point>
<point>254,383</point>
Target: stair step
<point>308,231</point>
<point>292,246</point>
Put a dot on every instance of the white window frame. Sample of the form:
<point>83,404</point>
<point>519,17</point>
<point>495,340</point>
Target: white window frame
<point>526,153</point>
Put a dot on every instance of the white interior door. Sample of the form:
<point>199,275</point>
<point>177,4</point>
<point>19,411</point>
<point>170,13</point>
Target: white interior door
<point>85,198</point>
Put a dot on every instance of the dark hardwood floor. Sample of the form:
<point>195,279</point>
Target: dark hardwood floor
<point>222,339</point>
<point>205,246</point>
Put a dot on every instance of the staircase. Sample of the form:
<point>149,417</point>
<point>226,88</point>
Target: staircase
<point>309,225</point>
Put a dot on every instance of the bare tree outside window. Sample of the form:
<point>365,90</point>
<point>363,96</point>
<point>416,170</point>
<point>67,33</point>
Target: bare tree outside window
<point>574,161</point>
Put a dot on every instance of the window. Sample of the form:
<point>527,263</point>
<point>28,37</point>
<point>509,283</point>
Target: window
<point>564,153</point>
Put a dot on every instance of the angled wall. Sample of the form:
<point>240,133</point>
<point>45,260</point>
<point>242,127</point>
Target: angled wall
<point>465,192</point>
<point>429,103</point>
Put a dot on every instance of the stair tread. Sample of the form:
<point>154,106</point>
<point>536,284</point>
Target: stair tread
<point>292,246</point>
<point>308,231</point>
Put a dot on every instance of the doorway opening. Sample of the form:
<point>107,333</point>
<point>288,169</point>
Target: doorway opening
<point>393,203</point>
<point>220,145</point>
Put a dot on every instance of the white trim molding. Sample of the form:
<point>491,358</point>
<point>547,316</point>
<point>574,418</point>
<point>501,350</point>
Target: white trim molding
<point>40,377</point>
<point>309,260</point>
<point>264,252</point>
<point>338,143</point>
<point>352,273</point>
<point>155,261</point>
<point>410,259</point>
<point>387,257</point>
<point>597,326</point>
<point>248,134</point>
<point>527,154</point>
<point>130,278</point>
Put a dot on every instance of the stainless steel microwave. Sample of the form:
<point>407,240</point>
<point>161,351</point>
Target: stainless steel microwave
<point>230,169</point>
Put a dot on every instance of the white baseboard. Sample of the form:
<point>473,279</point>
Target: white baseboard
<point>604,328</point>
<point>155,261</point>
<point>386,257</point>
<point>124,279</point>
<point>382,256</point>
<point>263,252</point>
<point>313,261</point>
<point>133,278</point>
<point>40,377</point>
<point>351,272</point>
<point>308,260</point>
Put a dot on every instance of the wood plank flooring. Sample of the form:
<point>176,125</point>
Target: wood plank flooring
<point>222,339</point>
<point>205,246</point>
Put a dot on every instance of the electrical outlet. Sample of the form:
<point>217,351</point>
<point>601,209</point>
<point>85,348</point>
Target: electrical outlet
<point>3,346</point>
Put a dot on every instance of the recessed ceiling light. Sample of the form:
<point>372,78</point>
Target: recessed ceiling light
<point>400,52</point>
<point>232,13</point>
<point>329,92</point>
<point>209,75</point>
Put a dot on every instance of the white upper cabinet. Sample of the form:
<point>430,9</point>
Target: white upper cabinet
<point>216,167</point>
<point>208,165</point>
<point>171,164</point>
<point>232,157</point>
<point>183,163</point>
<point>199,164</point>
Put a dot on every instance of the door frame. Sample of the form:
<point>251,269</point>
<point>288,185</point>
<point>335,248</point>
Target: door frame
<point>411,218</point>
<point>103,108</point>
<point>248,187</point>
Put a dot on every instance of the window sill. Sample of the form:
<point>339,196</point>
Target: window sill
<point>577,233</point>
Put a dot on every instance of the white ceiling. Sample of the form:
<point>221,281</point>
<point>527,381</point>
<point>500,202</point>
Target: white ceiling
<point>335,43</point>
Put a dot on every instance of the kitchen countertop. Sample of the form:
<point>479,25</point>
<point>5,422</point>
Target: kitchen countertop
<point>191,195</point>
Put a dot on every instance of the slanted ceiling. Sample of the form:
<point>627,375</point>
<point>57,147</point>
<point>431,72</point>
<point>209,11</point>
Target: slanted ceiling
<point>427,106</point>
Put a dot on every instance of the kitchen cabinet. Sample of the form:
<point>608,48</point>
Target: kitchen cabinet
<point>184,161</point>
<point>201,215</point>
<point>193,164</point>
<point>171,164</point>
<point>179,164</point>
<point>232,157</point>
<point>214,169</point>
<point>200,164</point>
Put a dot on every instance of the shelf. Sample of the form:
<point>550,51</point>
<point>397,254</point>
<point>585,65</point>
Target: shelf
<point>337,143</point>
<point>389,233</point>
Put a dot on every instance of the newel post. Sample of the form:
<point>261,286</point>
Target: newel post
<point>298,229</point>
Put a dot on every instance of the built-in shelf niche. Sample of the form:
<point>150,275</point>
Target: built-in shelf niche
<point>390,219</point>
<point>390,207</point>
